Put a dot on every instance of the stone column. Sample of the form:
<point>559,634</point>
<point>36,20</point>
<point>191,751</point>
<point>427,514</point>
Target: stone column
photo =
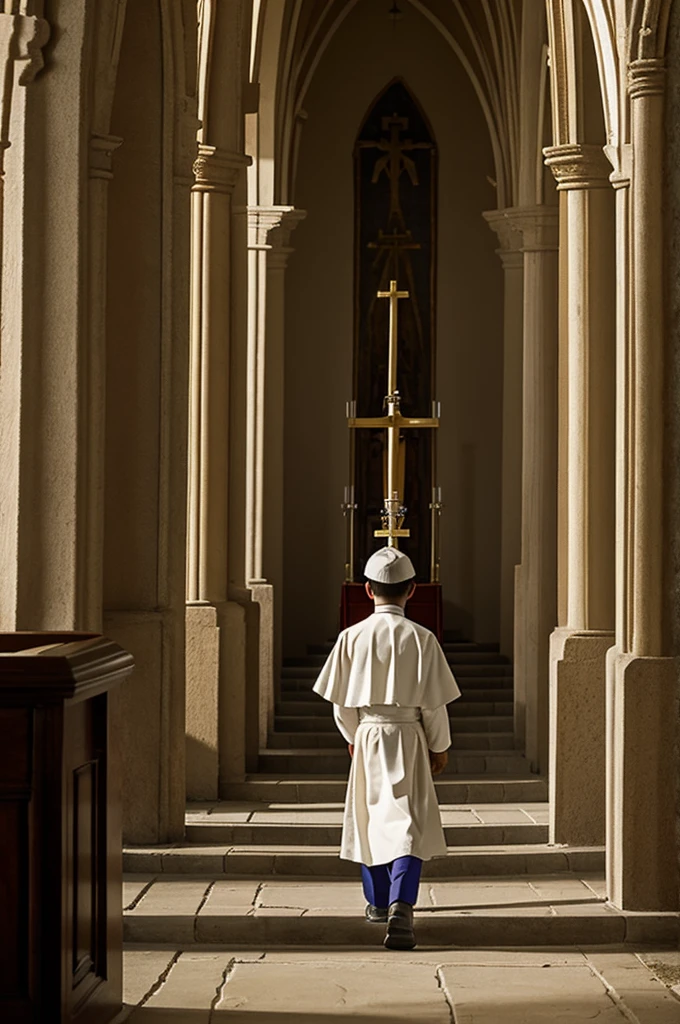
<point>91,568</point>
<point>512,259</point>
<point>209,660</point>
<point>269,230</point>
<point>585,628</point>
<point>23,33</point>
<point>535,581</point>
<point>641,841</point>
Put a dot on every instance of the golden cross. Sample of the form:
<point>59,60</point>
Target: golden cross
<point>393,423</point>
<point>393,295</point>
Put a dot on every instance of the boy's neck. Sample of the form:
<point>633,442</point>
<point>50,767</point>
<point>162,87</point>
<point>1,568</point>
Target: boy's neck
<point>399,601</point>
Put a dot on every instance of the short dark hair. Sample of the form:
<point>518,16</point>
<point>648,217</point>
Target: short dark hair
<point>391,589</point>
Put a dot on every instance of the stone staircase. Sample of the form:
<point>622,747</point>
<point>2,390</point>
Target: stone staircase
<point>262,865</point>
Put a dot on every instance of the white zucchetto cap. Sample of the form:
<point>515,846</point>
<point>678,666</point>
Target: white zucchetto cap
<point>388,565</point>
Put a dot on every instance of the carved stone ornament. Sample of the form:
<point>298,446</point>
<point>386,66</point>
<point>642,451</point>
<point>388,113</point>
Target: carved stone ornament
<point>577,166</point>
<point>28,33</point>
<point>217,171</point>
<point>265,219</point>
<point>646,78</point>
<point>102,148</point>
<point>509,236</point>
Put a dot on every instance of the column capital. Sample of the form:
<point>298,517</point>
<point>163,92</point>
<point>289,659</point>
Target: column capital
<point>270,227</point>
<point>102,148</point>
<point>578,166</point>
<point>216,170</point>
<point>509,236</point>
<point>646,77</point>
<point>526,228</point>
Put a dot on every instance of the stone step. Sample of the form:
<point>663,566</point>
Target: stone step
<point>329,761</point>
<point>184,859</point>
<point>326,725</point>
<point>455,657</point>
<point>490,682</point>
<point>460,671</point>
<point>331,789</point>
<point>267,833</point>
<point>462,647</point>
<point>504,741</point>
<point>538,911</point>
<point>492,693</point>
<point>462,707</point>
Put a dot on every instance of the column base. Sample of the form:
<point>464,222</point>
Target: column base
<point>642,783</point>
<point>222,688</point>
<point>578,673</point>
<point>263,595</point>
<point>152,723</point>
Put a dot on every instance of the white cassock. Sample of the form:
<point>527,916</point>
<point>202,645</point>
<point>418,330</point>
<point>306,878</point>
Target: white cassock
<point>389,682</point>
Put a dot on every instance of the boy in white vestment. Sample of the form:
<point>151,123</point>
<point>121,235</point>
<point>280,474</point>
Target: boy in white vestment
<point>389,682</point>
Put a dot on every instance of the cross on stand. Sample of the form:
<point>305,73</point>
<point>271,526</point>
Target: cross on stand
<point>393,513</point>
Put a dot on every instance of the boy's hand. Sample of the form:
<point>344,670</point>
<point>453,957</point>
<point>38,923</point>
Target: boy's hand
<point>438,761</point>
<point>350,747</point>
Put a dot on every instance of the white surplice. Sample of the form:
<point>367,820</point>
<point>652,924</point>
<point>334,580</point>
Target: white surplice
<point>389,682</point>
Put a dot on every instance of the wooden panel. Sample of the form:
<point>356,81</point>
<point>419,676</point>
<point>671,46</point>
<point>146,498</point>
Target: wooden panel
<point>60,900</point>
<point>84,870</point>
<point>14,952</point>
<point>16,748</point>
<point>86,729</point>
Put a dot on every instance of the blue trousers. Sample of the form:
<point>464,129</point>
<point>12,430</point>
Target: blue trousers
<point>398,880</point>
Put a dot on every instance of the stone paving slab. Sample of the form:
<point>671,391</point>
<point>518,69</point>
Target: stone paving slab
<point>331,813</point>
<point>461,833</point>
<point>462,861</point>
<point>456,789</point>
<point>536,910</point>
<point>308,986</point>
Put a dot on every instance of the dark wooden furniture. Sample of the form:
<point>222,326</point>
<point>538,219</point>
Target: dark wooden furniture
<point>424,607</point>
<point>60,829</point>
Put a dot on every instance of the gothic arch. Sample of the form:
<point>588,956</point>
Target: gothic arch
<point>296,41</point>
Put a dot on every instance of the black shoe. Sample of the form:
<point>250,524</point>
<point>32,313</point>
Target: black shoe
<point>400,934</point>
<point>376,915</point>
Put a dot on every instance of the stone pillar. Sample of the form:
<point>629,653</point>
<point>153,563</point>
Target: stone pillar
<point>210,662</point>
<point>91,568</point>
<point>585,630</point>
<point>642,870</point>
<point>269,230</point>
<point>512,259</point>
<point>535,581</point>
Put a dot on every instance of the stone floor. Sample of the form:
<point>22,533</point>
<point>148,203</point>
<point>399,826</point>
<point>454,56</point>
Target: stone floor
<point>426,986</point>
<point>474,912</point>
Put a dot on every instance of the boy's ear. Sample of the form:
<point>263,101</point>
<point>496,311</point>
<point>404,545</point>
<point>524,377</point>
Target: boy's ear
<point>369,591</point>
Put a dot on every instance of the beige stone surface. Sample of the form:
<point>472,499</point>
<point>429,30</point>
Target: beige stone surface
<point>134,887</point>
<point>173,896</point>
<point>578,736</point>
<point>529,995</point>
<point>525,986</point>
<point>314,992</point>
<point>142,970</point>
<point>202,702</point>
<point>232,897</point>
<point>320,896</point>
<point>506,816</point>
